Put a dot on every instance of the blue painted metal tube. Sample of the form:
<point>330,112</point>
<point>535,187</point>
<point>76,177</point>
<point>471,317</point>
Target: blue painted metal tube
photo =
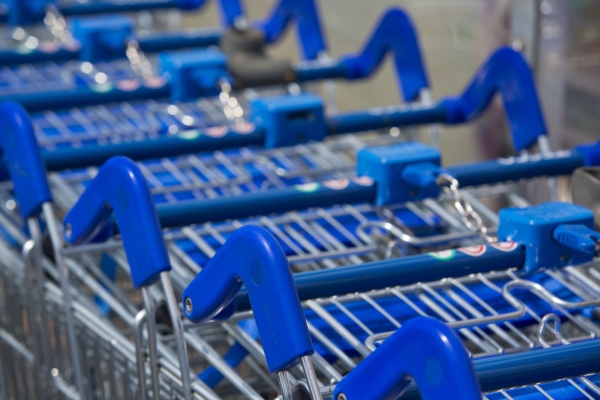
<point>176,40</point>
<point>532,367</point>
<point>85,96</point>
<point>397,272</point>
<point>163,146</point>
<point>261,203</point>
<point>115,7</point>
<point>307,71</point>
<point>151,43</point>
<point>512,169</point>
<point>20,56</point>
<point>387,117</point>
<point>319,195</point>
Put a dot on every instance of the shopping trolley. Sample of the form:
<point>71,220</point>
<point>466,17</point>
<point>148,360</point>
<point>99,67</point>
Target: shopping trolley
<point>498,311</point>
<point>131,190</point>
<point>99,38</point>
<point>75,140</point>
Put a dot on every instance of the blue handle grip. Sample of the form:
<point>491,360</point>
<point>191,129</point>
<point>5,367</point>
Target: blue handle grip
<point>253,256</point>
<point>121,187</point>
<point>425,350</point>
<point>306,16</point>
<point>507,72</point>
<point>24,161</point>
<point>395,33</point>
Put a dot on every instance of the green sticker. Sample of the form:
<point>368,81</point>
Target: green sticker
<point>308,187</point>
<point>24,50</point>
<point>444,255</point>
<point>189,135</point>
<point>102,88</point>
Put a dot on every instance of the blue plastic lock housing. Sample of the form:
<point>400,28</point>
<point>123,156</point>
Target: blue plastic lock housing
<point>26,12</point>
<point>193,74</point>
<point>290,120</point>
<point>102,38</point>
<point>537,228</point>
<point>388,165</point>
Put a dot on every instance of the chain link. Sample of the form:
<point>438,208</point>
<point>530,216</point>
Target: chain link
<point>472,220</point>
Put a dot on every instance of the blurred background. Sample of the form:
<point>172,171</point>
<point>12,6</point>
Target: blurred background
<point>561,39</point>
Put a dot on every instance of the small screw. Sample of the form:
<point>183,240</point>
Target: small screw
<point>68,230</point>
<point>188,305</point>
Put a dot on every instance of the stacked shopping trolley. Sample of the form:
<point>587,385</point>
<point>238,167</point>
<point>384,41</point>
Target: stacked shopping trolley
<point>183,216</point>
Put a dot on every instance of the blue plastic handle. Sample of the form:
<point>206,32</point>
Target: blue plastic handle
<point>231,10</point>
<point>395,33</point>
<point>121,187</point>
<point>252,256</point>
<point>425,350</point>
<point>22,156</point>
<point>507,72</point>
<point>306,16</point>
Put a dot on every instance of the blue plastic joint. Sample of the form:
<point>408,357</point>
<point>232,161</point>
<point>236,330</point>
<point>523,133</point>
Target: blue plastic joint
<point>23,160</point>
<point>395,34</point>
<point>505,72</point>
<point>580,238</point>
<point>306,16</point>
<point>120,188</point>
<point>193,73</point>
<point>554,234</point>
<point>102,38</point>
<point>403,172</point>
<point>590,153</point>
<point>290,120</point>
<point>423,349</point>
<point>26,12</point>
<point>252,256</point>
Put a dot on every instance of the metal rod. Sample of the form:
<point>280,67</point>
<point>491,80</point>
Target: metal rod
<point>152,337</point>
<point>178,331</point>
<point>138,337</point>
<point>57,245</point>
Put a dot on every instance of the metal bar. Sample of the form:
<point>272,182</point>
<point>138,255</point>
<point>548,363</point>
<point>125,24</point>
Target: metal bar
<point>261,203</point>
<point>398,272</point>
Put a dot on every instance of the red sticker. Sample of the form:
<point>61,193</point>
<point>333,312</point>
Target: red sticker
<point>244,129</point>
<point>128,85</point>
<point>505,246</point>
<point>48,47</point>
<point>73,45</point>
<point>216,132</point>
<point>363,180</point>
<point>474,251</point>
<point>155,82</point>
<point>337,184</point>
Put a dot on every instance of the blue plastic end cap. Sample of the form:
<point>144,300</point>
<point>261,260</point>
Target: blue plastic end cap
<point>193,73</point>
<point>102,38</point>
<point>189,4</point>
<point>533,227</point>
<point>290,120</point>
<point>590,154</point>
<point>385,165</point>
<point>23,159</point>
